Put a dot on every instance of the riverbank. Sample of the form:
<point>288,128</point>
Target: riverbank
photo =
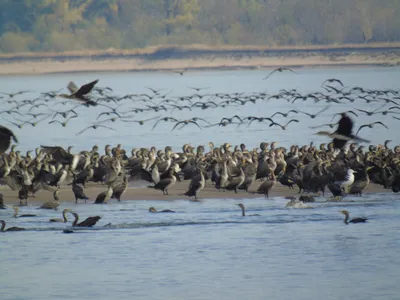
<point>167,59</point>
<point>176,192</point>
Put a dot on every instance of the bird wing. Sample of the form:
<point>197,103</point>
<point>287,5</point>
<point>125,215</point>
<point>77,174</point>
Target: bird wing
<point>345,126</point>
<point>86,88</point>
<point>361,127</point>
<point>270,74</point>
<point>58,154</point>
<point>381,124</point>
<point>72,87</point>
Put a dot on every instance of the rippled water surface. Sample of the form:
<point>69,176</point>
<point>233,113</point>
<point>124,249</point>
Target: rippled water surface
<point>206,250</point>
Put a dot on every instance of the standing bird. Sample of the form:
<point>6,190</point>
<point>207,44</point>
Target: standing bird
<point>196,185</point>
<point>120,189</point>
<point>5,138</point>
<point>267,185</point>
<point>78,192</point>
<point>104,196</point>
<point>355,220</point>
<point>281,69</point>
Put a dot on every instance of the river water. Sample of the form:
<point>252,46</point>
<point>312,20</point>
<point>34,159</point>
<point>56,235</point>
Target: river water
<point>206,250</point>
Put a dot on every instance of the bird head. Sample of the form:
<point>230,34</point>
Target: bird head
<point>345,212</point>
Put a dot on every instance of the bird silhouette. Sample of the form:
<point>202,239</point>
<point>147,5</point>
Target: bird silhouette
<point>371,125</point>
<point>281,69</point>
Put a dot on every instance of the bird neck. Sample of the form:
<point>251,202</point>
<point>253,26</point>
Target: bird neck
<point>346,219</point>
<point>76,220</point>
<point>3,225</point>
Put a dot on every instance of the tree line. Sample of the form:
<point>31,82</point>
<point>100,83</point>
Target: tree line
<point>62,25</point>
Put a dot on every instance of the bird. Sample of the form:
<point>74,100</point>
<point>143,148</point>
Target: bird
<point>355,220</point>
<point>284,114</point>
<point>186,122</point>
<point>370,125</point>
<point>283,126</point>
<point>345,184</point>
<point>78,192</point>
<point>180,72</point>
<point>5,138</point>
<point>153,210</point>
<point>3,226</point>
<point>196,185</point>
<point>244,211</point>
<point>94,126</point>
<point>89,222</point>
<point>82,91</point>
<point>166,119</point>
<point>281,69</point>
<point>104,196</point>
<point>330,80</point>
<point>197,88</point>
<point>343,133</point>
<point>63,124</point>
<point>64,215</point>
<point>313,116</point>
<point>15,215</point>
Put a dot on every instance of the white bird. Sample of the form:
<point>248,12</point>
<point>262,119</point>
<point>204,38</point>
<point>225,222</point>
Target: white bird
<point>347,182</point>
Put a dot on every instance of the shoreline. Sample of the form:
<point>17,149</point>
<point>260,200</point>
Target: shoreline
<point>200,58</point>
<point>176,193</point>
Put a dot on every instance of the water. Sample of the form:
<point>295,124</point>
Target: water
<point>133,135</point>
<point>205,250</point>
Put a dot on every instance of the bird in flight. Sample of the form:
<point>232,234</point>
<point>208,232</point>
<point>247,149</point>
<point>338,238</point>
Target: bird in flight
<point>370,125</point>
<point>313,116</point>
<point>95,126</point>
<point>343,133</point>
<point>330,80</point>
<point>283,126</point>
<point>186,122</point>
<point>180,72</point>
<point>281,69</point>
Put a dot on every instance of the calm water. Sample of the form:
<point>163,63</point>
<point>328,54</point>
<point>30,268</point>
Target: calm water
<point>206,250</point>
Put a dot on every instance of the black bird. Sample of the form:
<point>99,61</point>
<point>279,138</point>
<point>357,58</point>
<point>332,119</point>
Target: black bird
<point>279,70</point>
<point>313,116</point>
<point>5,138</point>
<point>285,114</point>
<point>343,133</point>
<point>83,90</point>
<point>355,220</point>
<point>186,122</point>
<point>371,125</point>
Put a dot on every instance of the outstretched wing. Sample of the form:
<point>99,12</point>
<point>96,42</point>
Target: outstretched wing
<point>86,88</point>
<point>72,87</point>
<point>59,154</point>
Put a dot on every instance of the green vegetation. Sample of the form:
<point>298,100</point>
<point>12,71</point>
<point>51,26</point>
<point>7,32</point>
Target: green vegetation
<point>62,25</point>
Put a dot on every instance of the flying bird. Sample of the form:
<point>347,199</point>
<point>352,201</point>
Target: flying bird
<point>283,126</point>
<point>94,126</point>
<point>343,133</point>
<point>279,70</point>
<point>370,125</point>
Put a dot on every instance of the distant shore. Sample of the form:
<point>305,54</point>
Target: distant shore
<point>176,192</point>
<point>168,58</point>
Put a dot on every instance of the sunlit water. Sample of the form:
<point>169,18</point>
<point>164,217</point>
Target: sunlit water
<point>206,250</point>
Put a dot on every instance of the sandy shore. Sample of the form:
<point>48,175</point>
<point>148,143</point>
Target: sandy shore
<point>175,193</point>
<point>31,67</point>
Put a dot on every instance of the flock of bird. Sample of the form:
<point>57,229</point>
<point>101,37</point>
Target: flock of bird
<point>118,108</point>
<point>334,166</point>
